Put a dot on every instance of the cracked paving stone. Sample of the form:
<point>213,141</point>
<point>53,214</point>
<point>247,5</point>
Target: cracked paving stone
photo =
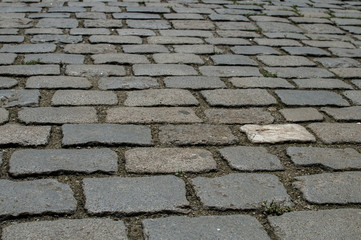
<point>239,116</point>
<point>19,98</point>
<point>6,82</point>
<point>94,70</point>
<point>76,229</point>
<point>346,113</point>
<point>301,114</point>
<point>110,134</point>
<point>24,135</point>
<point>169,160</point>
<point>83,97</point>
<point>57,82</point>
<point>331,188</point>
<point>194,82</point>
<point>277,133</point>
<point>35,197</point>
<point>321,224</point>
<point>135,195</point>
<point>113,83</point>
<point>204,227</point>
<point>4,115</point>
<point>240,191</point>
<point>27,162</point>
<point>310,98</point>
<point>251,159</point>
<point>163,69</point>
<point>30,70</point>
<point>337,132</point>
<point>347,158</point>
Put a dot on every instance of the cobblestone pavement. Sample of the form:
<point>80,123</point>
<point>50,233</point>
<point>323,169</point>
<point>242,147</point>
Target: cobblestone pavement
<point>182,119</point>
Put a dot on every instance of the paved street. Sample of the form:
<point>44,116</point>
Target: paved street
<point>180,119</point>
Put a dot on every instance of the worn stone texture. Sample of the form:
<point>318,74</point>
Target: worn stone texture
<point>337,132</point>
<point>24,135</point>
<point>57,82</point>
<point>239,116</point>
<point>4,115</point>
<point>310,98</point>
<point>83,97</point>
<point>346,114</point>
<point>301,114</point>
<point>113,83</point>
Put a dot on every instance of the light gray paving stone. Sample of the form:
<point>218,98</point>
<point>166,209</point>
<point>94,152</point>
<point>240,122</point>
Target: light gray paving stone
<point>19,9</point>
<point>111,134</point>
<point>193,24</point>
<point>95,70</point>
<point>277,42</point>
<point>83,97</point>
<point>309,20</point>
<point>89,31</point>
<point>301,114</point>
<point>173,40</point>
<point>9,31</point>
<point>103,23</point>
<point>106,9</point>
<point>120,58</point>
<point>299,72</point>
<point>356,82</point>
<point>346,113</point>
<point>321,224</point>
<point>251,159</point>
<point>13,15</point>
<point>16,98</point>
<point>226,17</point>
<point>275,35</point>
<point>145,48</point>
<point>285,61</point>
<point>4,116</point>
<point>344,52</point>
<point>268,19</point>
<point>148,24</point>
<point>50,115</point>
<point>329,44</point>
<point>6,82</point>
<point>35,197</point>
<point>193,10</point>
<point>196,82</point>
<point>135,195</point>
<point>110,83</point>
<point>322,83</point>
<point>160,97</point>
<point>163,70</point>
<point>196,135</point>
<point>235,33</point>
<point>310,98</point>
<point>195,49</point>
<point>136,32</point>
<point>148,9</point>
<point>227,41</point>
<point>128,15</point>
<point>321,28</point>
<point>238,97</point>
<point>332,158</point>
<point>15,22</point>
<point>57,82</point>
<point>66,9</point>
<point>185,33</point>
<point>229,59</point>
<point>90,15</point>
<point>338,62</point>
<point>187,16</point>
<point>354,96</point>
<point>24,135</point>
<point>89,48</point>
<point>43,31</point>
<point>56,39</point>
<point>254,50</point>
<point>27,162</point>
<point>177,58</point>
<point>11,39</point>
<point>347,72</point>
<point>55,58</point>
<point>240,191</point>
<point>337,132</point>
<point>245,26</point>
<point>277,133</point>
<point>168,160</point>
<point>28,48</point>
<point>1,158</point>
<point>352,29</point>
<point>260,82</point>
<point>230,71</point>
<point>306,51</point>
<point>239,116</point>
<point>336,188</point>
<point>57,23</point>
<point>279,27</point>
<point>115,39</point>
<point>75,229</point>
<point>205,227</point>
<point>152,115</point>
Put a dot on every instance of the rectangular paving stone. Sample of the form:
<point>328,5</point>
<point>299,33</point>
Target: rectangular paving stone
<point>337,132</point>
<point>83,97</point>
<point>321,28</point>
<point>195,49</point>
<point>338,62</point>
<point>89,31</point>
<point>254,50</point>
<point>251,159</point>
<point>239,116</point>
<point>50,115</point>
<point>128,15</point>
<point>90,15</point>
<point>334,188</point>
<point>56,39</point>
<point>112,83</point>
<point>229,59</point>
<point>148,24</point>
<point>136,32</point>
<point>189,16</point>
<point>17,98</point>
<point>30,70</point>
<point>247,26</point>
<point>240,191</point>
<point>168,160</point>
<point>193,24</point>
<point>277,133</point>
<point>277,42</point>
<point>196,135</point>
<point>24,135</point>
<point>27,162</point>
<point>186,33</point>
<point>354,96</point>
<point>102,23</point>
<point>15,23</point>
<point>57,23</point>
<point>347,72</point>
<point>285,61</point>
<point>163,70</point>
<point>279,27</point>
<point>120,58</point>
<point>6,82</point>
<point>57,82</point>
<point>145,48</point>
<point>75,229</point>
<point>4,116</point>
<point>160,97</point>
<point>179,227</point>
<point>115,39</point>
<point>301,114</point>
<point>322,83</point>
<point>94,70</point>
<point>328,44</point>
<point>324,224</point>
<point>346,113</point>
<point>134,195</point>
<point>45,32</point>
<point>310,98</point>
<point>11,39</point>
<point>227,41</point>
<point>35,197</point>
<point>110,134</point>
<point>173,40</point>
<point>344,52</point>
<point>229,71</point>
<point>89,48</point>
<point>9,31</point>
<point>55,58</point>
<point>152,115</point>
<point>260,82</point>
<point>28,48</point>
<point>238,97</point>
<point>299,72</point>
<point>177,58</point>
<point>306,51</point>
<point>194,82</point>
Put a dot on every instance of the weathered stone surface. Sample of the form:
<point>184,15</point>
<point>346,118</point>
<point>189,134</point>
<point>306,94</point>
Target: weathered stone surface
<point>29,70</point>
<point>111,134</point>
<point>6,82</point>
<point>306,51</point>
<point>196,135</point>
<point>254,50</point>
<point>321,224</point>
<point>55,58</point>
<point>195,49</point>
<point>338,62</point>
<point>192,24</point>
<point>299,72</point>
<point>322,83</point>
<point>24,135</point>
<point>56,38</point>
<point>83,97</point>
<point>135,32</point>
<point>194,82</point>
<point>277,133</point>
<point>35,197</point>
<point>131,82</point>
<point>347,113</point>
<point>89,48</point>
<point>347,158</point>
<point>145,48</point>
<point>16,98</point>
<point>152,115</point>
<point>356,82</point>
<point>57,23</point>
<point>89,31</point>
<point>220,71</point>
<point>211,227</point>
<point>354,96</point>
<point>285,61</point>
<point>347,72</point>
<point>7,58</point>
<point>57,82</point>
<point>278,27</point>
<point>28,48</point>
<point>336,188</point>
<point>76,229</point>
<point>169,160</point>
<point>25,162</point>
<point>301,114</point>
<point>310,98</point>
<point>173,40</point>
<point>239,116</point>
<point>240,191</point>
<point>163,70</point>
<point>95,70</point>
<point>115,39</point>
<point>135,195</point>
<point>251,159</point>
<point>119,58</point>
<point>233,60</point>
<point>321,28</point>
<point>148,24</point>
<point>4,115</point>
<point>260,82</point>
<point>177,58</point>
<point>337,132</point>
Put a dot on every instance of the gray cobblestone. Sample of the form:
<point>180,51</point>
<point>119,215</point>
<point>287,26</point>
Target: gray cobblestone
<point>347,113</point>
<point>310,98</point>
<point>83,97</point>
<point>94,70</point>
<point>145,48</point>
<point>15,98</point>
<point>260,82</point>
<point>233,60</point>
<point>119,58</point>
<point>6,82</point>
<point>322,83</point>
<point>56,38</point>
<point>285,61</point>
<point>163,70</point>
<point>24,135</point>
<point>301,114</point>
<point>177,58</point>
<point>89,48</point>
<point>148,24</point>
<point>254,50</point>
<point>115,39</point>
<point>55,58</point>
<point>30,70</point>
<point>57,82</point>
<point>239,116</point>
<point>28,48</point>
<point>111,83</point>
<point>337,132</point>
<point>4,116</point>
<point>196,82</point>
<point>57,23</point>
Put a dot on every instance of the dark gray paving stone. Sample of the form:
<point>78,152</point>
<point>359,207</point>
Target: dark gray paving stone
<point>120,58</point>
<point>238,97</point>
<point>227,41</point>
<point>7,58</point>
<point>254,50</point>
<point>354,96</point>
<point>145,48</point>
<point>345,52</point>
<point>233,60</point>
<point>163,70</point>
<point>279,27</point>
<point>230,71</point>
<point>338,62</point>
<point>347,158</point>
<point>111,134</point>
<point>27,162</point>
<point>75,229</point>
<point>57,23</point>
<point>285,61</point>
<point>56,39</point>
<point>301,114</point>
<point>55,58</point>
<point>95,70</point>
<point>30,70</point>
<point>24,135</point>
<point>196,82</point>
<point>6,82</point>
<point>169,160</point>
<point>322,83</point>
<point>260,82</point>
<point>337,132</point>
<point>16,98</point>
<point>57,82</point>
<point>239,116</point>
<point>35,197</point>
<point>115,39</point>
<point>240,191</point>
<point>174,58</point>
<point>29,48</point>
<point>251,159</point>
<point>84,48</point>
<point>205,227</point>
<point>321,224</point>
<point>135,195</point>
<point>112,83</point>
<point>4,116</point>
<point>335,188</point>
<point>310,98</point>
<point>148,24</point>
<point>306,51</point>
<point>196,135</point>
<point>83,97</point>
<point>347,113</point>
